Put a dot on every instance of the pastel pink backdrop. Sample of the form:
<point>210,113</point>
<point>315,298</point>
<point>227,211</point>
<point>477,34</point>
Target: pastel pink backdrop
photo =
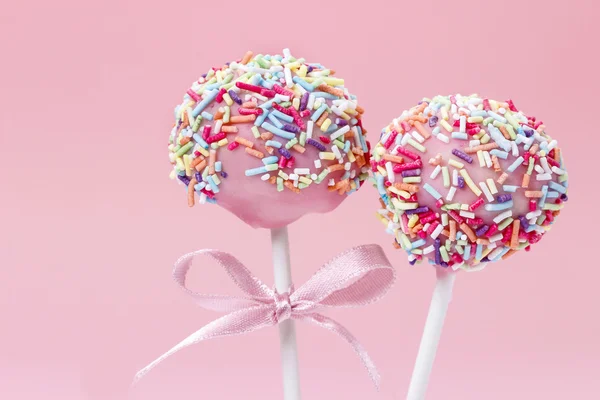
<point>91,225</point>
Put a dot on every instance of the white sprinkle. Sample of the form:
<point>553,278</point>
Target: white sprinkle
<point>436,232</point>
<point>417,136</point>
<point>335,150</point>
<point>533,214</point>
<point>288,77</point>
<point>451,193</point>
<point>443,138</point>
<point>311,101</point>
<point>495,237</point>
<point>539,169</point>
<point>331,182</point>
<point>502,110</point>
<point>390,171</point>
<point>347,166</point>
<point>502,216</point>
<point>544,162</point>
<point>436,172</point>
<point>552,145</point>
<point>294,177</point>
<point>428,249</point>
<point>467,214</point>
<point>339,132</point>
<point>405,140</point>
<point>488,159</point>
<point>314,177</point>
<point>302,171</point>
<point>543,177</point>
<point>317,163</point>
<point>486,191</point>
<point>309,129</point>
<point>473,143</point>
<point>558,171</point>
<point>463,124</point>
<point>265,177</point>
<point>445,219</point>
<point>435,131</point>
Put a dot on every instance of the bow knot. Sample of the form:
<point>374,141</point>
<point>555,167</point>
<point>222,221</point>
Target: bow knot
<point>283,306</point>
<point>356,277</point>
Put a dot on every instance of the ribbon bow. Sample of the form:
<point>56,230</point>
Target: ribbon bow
<point>356,277</point>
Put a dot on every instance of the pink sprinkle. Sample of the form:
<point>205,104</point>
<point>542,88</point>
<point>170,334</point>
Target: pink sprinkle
<point>284,92</point>
<point>422,234</point>
<point>290,163</point>
<point>216,138</point>
<point>282,162</point>
<point>411,165</point>
<point>455,216</point>
<point>486,105</point>
<point>391,139</point>
<point>532,205</point>
<point>267,93</point>
<point>206,132</point>
<point>304,113</point>
<point>193,95</point>
<point>250,111</point>
<point>405,125</point>
<point>493,229</point>
<point>324,139</point>
<point>219,97</point>
<point>476,204</point>
<point>405,152</point>
<point>233,146</point>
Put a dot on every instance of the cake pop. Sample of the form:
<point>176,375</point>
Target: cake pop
<point>464,181</point>
<point>269,138</point>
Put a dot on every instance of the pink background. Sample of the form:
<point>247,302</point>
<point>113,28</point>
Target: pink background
<point>90,225</point>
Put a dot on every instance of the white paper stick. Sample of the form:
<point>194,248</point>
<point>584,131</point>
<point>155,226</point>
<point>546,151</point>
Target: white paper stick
<point>442,295</point>
<point>287,329</point>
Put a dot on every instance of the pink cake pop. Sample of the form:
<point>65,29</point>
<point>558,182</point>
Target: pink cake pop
<point>464,180</point>
<point>269,138</point>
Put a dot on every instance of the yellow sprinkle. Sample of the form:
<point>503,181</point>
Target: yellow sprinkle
<point>511,120</point>
<point>485,138</point>
<point>444,254</point>
<point>475,120</point>
<point>304,179</point>
<point>455,163</point>
<point>492,185</point>
<point>227,99</point>
<point>480,158</point>
<point>325,125</point>
<point>445,177</point>
<point>403,239</point>
<point>511,131</point>
<point>470,182</point>
<point>302,71</point>
<point>222,142</point>
<point>444,111</point>
<point>255,132</point>
<point>186,163</point>
<point>446,125</point>
<point>216,179</point>
<point>351,157</point>
<point>412,179</point>
<point>412,221</point>
<point>416,145</point>
<point>381,170</point>
<point>325,155</point>
<point>296,103</point>
<point>402,193</point>
<point>179,164</point>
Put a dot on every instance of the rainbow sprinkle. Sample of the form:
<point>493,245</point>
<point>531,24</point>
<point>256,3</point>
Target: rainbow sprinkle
<point>291,107</point>
<point>522,165</point>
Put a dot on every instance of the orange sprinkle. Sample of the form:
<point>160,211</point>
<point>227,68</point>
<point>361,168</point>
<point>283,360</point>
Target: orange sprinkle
<point>239,119</point>
<point>437,160</point>
<point>536,194</point>
<point>349,135</point>
<point>247,57</point>
<point>483,147</point>
<point>269,149</point>
<point>502,178</point>
<point>446,233</point>
<point>452,224</point>
<point>266,135</point>
<point>335,167</point>
<point>514,239</point>
<point>424,132</point>
<point>359,109</point>
<point>525,182</point>
<point>254,153</point>
<point>273,180</point>
<point>534,149</point>
<point>392,158</point>
<point>508,254</point>
<point>196,161</point>
<point>382,203</point>
<point>496,164</point>
<point>184,140</point>
<point>557,154</point>
<point>482,241</point>
<point>249,104</point>
<point>191,197</point>
<point>358,151</point>
<point>244,142</point>
<point>219,114</point>
<point>396,245</point>
<point>290,186</point>
<point>299,148</point>
<point>417,228</point>
<point>323,87</point>
<point>467,229</point>
<point>406,186</point>
<point>212,158</point>
<point>229,129</point>
<point>343,186</point>
<point>504,132</point>
<point>200,165</point>
<point>322,118</point>
<point>412,234</point>
<point>360,161</point>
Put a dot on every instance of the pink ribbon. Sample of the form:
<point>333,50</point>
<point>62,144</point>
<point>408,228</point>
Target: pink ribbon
<point>356,277</point>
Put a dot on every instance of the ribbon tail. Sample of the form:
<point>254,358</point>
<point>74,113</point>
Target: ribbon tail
<point>235,323</point>
<point>340,330</point>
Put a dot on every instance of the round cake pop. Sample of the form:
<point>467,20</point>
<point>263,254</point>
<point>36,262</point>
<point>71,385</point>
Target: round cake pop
<point>464,180</point>
<point>269,138</point>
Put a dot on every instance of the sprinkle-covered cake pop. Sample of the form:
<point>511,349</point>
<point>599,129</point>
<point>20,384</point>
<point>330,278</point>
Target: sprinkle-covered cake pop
<point>464,180</point>
<point>269,138</point>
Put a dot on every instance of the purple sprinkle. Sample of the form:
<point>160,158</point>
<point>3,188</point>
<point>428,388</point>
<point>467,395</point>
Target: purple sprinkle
<point>461,182</point>
<point>482,230</point>
<point>432,121</point>
<point>285,153</point>
<point>198,176</point>
<point>413,262</point>
<point>503,198</point>
<point>418,210</point>
<point>436,247</point>
<point>304,101</point>
<point>234,97</point>
<point>564,197</point>
<point>411,172</point>
<point>316,144</point>
<point>224,174</point>
<point>184,179</point>
<point>291,128</point>
<point>524,222</point>
<point>444,264</point>
<point>341,122</point>
<point>462,155</point>
<point>310,69</point>
<point>528,132</point>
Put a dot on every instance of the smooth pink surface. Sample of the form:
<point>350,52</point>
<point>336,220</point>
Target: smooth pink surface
<point>87,211</point>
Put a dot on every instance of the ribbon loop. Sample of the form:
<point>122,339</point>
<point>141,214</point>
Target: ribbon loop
<point>356,277</point>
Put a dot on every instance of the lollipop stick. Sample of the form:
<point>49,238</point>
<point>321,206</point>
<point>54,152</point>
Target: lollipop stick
<point>287,329</point>
<point>442,295</point>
